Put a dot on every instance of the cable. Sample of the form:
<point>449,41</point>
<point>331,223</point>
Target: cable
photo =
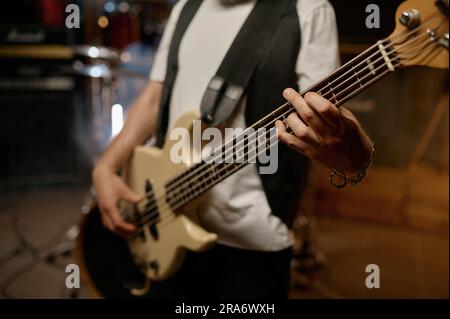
<point>26,246</point>
<point>16,275</point>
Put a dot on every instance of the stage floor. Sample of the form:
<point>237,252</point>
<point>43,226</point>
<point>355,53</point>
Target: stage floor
<point>413,263</point>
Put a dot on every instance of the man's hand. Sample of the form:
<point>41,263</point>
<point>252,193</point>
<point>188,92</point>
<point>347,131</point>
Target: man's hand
<point>110,189</point>
<point>325,133</point>
<point>140,124</point>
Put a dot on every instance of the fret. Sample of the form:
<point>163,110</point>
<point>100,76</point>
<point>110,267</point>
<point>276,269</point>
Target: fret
<point>279,112</point>
<point>242,146</point>
<point>213,169</point>
<point>329,90</point>
<point>205,178</point>
<point>216,170</point>
<point>359,75</point>
<point>333,95</point>
<point>369,83</point>
<point>371,67</point>
<point>386,58</point>
<point>240,151</point>
<point>195,187</point>
<point>356,73</point>
<point>245,153</point>
<point>227,151</point>
<point>186,194</point>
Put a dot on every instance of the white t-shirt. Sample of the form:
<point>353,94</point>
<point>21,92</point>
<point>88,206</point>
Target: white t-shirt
<point>237,208</point>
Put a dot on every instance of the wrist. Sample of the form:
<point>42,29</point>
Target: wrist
<point>362,159</point>
<point>100,170</point>
<point>340,179</point>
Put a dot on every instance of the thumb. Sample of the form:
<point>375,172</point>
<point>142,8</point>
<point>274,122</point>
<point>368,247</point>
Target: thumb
<point>131,196</point>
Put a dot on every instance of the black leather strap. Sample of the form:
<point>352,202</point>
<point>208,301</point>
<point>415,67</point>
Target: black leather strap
<point>186,15</point>
<point>233,76</point>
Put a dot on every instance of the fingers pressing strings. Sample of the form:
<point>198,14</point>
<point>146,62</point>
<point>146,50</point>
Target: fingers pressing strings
<point>315,117</point>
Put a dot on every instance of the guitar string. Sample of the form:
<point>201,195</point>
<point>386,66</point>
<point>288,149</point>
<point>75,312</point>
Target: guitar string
<point>327,92</point>
<point>342,75</point>
<point>352,93</point>
<point>169,216</point>
<point>238,145</point>
<point>226,168</point>
<point>237,167</point>
<point>424,45</point>
<point>411,55</point>
<point>335,96</point>
<point>190,172</point>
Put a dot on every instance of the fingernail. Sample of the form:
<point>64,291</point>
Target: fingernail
<point>287,92</point>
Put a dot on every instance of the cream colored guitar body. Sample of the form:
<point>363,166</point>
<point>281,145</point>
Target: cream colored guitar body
<point>160,258</point>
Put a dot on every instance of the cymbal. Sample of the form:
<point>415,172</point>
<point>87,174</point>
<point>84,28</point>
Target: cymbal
<point>96,52</point>
<point>37,51</point>
<point>97,71</point>
<point>101,70</point>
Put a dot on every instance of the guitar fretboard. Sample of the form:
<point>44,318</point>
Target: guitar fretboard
<point>338,87</point>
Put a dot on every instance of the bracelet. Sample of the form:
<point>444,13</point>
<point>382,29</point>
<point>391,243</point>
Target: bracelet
<point>339,179</point>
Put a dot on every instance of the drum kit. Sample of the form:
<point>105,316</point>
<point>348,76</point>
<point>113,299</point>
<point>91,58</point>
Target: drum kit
<point>107,75</point>
<point>111,77</point>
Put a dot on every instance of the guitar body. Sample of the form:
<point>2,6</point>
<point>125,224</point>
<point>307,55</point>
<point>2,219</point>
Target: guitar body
<point>106,259</point>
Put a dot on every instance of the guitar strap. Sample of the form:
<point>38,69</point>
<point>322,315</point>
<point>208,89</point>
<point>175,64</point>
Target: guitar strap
<point>186,15</point>
<point>233,76</point>
<point>227,87</point>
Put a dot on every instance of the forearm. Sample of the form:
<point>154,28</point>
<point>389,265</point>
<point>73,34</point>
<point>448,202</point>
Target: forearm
<point>140,124</point>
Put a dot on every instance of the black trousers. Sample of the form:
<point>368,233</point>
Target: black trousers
<point>224,272</point>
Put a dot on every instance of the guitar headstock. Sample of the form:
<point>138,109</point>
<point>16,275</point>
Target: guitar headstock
<point>421,33</point>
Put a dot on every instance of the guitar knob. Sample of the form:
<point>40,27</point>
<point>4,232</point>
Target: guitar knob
<point>444,41</point>
<point>154,265</point>
<point>410,18</point>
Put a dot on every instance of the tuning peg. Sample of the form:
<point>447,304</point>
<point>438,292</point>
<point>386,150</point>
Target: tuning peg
<point>432,34</point>
<point>410,18</point>
<point>443,41</point>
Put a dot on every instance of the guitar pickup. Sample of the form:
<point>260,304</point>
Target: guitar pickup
<point>151,209</point>
<point>138,220</point>
<point>154,231</point>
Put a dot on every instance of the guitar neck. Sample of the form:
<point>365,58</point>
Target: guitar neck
<point>340,86</point>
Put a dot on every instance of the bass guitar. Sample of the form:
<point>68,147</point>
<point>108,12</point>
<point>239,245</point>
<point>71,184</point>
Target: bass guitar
<point>166,220</point>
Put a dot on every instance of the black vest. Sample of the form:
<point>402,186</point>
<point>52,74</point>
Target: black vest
<point>275,72</point>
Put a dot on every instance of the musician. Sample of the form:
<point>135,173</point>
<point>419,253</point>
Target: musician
<point>251,214</point>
